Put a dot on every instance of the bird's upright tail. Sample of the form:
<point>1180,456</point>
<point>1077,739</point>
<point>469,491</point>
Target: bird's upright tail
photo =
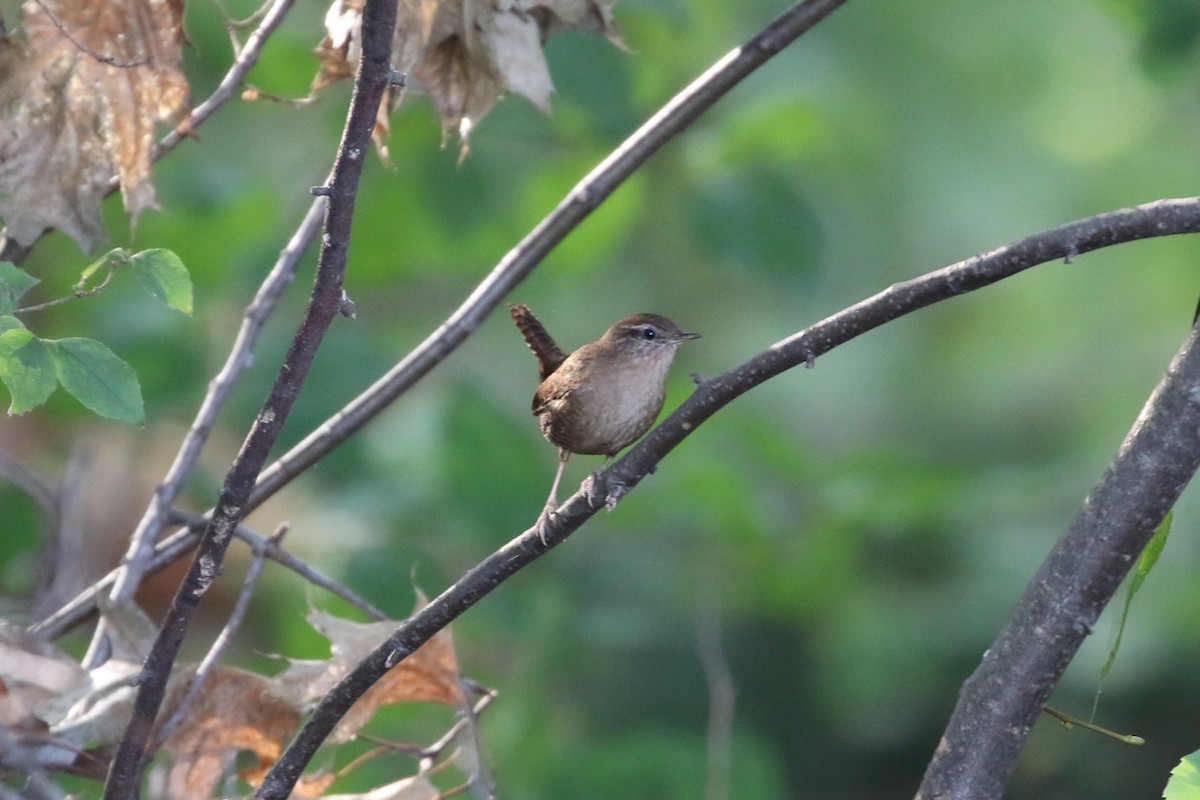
<point>549,354</point>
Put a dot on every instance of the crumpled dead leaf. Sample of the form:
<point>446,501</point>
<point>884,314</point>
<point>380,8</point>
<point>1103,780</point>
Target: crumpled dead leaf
<point>465,53</point>
<point>56,709</point>
<point>235,711</point>
<point>430,675</point>
<point>32,675</point>
<point>79,101</point>
<point>61,716</point>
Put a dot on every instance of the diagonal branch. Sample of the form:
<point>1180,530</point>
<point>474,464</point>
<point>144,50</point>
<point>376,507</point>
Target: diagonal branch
<point>244,60</point>
<point>379,21</point>
<point>1001,700</point>
<point>1065,242</point>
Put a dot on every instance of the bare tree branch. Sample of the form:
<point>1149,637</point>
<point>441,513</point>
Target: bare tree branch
<point>1001,700</point>
<point>379,21</point>
<point>1065,242</point>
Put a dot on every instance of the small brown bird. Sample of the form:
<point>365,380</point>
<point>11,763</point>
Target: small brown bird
<point>605,395</point>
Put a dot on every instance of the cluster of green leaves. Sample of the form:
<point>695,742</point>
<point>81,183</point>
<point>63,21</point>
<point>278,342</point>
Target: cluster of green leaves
<point>32,367</point>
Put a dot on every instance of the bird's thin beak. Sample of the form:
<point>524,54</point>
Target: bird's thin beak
<point>683,335</point>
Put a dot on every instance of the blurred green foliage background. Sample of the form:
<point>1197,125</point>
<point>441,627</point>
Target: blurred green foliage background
<point>858,531</point>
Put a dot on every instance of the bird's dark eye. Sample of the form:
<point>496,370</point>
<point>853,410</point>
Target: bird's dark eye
<point>648,333</point>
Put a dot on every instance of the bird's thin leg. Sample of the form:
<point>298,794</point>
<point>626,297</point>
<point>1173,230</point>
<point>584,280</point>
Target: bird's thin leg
<point>552,501</point>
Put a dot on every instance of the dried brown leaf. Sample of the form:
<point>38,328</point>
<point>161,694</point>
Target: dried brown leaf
<point>52,706</point>
<point>465,53</point>
<point>339,50</point>
<point>429,675</point>
<point>234,711</point>
<point>79,101</point>
<point>35,671</point>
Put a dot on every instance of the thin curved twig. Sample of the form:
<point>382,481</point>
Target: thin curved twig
<point>244,61</point>
<point>379,21</point>
<point>1161,218</point>
<point>601,182</point>
<point>275,551</point>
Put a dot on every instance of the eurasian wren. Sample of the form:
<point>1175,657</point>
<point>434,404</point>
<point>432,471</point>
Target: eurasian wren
<point>606,394</point>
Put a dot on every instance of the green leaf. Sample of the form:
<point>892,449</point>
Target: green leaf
<point>9,323</point>
<point>162,274</point>
<point>14,283</point>
<point>98,379</point>
<point>1185,779</point>
<point>26,369</point>
<point>1146,562</point>
<point>1150,553</point>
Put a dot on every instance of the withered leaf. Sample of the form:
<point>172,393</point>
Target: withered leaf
<point>55,710</point>
<point>234,711</point>
<point>79,101</point>
<point>430,675</point>
<point>465,53</point>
